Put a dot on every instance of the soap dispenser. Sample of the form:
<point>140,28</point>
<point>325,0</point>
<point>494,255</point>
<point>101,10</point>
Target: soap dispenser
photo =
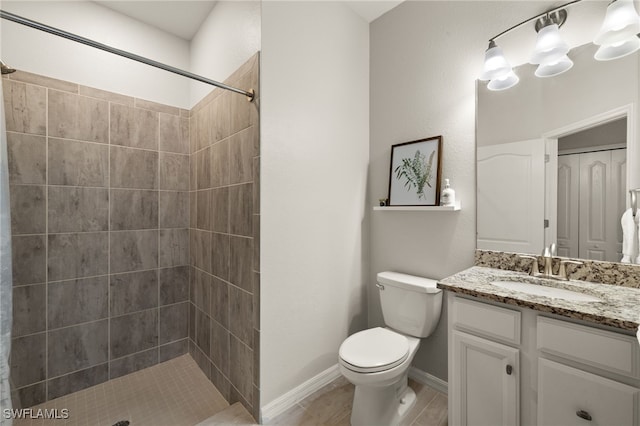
<point>448,196</point>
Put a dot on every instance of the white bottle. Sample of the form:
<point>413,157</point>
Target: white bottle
<point>448,196</point>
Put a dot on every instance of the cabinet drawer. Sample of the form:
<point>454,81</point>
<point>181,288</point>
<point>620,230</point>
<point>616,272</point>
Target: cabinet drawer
<point>568,396</point>
<point>486,320</point>
<point>591,346</point>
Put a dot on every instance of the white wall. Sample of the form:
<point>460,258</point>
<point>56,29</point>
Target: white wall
<point>226,39</point>
<point>425,59</point>
<point>35,51</point>
<point>314,142</point>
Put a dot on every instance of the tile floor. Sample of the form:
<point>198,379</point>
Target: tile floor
<point>173,393</point>
<point>177,393</point>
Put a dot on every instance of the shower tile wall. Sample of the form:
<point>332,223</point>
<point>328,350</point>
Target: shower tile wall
<point>100,218</point>
<point>224,236</point>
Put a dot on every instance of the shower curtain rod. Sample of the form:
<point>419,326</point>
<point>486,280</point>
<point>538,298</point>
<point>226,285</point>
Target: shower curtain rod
<point>60,33</point>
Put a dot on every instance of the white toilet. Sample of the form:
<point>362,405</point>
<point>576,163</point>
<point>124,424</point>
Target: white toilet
<point>377,360</point>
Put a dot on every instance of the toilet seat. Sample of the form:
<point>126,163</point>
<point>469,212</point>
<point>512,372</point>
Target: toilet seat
<point>374,350</point>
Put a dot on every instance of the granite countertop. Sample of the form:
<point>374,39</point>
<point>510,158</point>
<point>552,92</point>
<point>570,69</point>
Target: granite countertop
<point>619,308</point>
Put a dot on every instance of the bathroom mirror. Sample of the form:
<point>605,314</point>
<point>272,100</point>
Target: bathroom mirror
<point>556,157</point>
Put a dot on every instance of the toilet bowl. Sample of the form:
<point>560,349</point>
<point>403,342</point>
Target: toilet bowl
<point>377,360</point>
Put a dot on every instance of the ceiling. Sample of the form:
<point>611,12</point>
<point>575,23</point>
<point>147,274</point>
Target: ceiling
<point>184,17</point>
<point>371,10</point>
<point>181,18</point>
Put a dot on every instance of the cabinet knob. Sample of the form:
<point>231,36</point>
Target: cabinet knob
<point>583,415</point>
<point>509,370</point>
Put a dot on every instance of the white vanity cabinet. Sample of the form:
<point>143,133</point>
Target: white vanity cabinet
<point>515,366</point>
<point>486,381</point>
<point>569,396</point>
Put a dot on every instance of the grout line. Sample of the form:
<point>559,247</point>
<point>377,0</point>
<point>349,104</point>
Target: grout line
<point>46,247</point>
<point>109,182</point>
<point>159,246</point>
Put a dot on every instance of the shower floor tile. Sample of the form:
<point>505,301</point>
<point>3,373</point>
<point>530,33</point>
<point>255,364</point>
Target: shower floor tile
<point>174,393</point>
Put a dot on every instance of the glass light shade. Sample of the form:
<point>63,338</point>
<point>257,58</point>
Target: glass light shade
<point>549,69</point>
<point>495,64</point>
<point>505,82</point>
<point>620,23</point>
<point>549,45</point>
<point>618,50</point>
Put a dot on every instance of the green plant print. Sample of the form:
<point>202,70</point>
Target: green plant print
<point>416,172</point>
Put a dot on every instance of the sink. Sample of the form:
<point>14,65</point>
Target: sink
<point>540,290</point>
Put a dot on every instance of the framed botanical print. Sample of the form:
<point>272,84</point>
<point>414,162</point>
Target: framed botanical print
<point>414,179</point>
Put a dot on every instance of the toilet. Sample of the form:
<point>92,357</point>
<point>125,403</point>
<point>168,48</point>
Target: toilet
<point>377,360</point>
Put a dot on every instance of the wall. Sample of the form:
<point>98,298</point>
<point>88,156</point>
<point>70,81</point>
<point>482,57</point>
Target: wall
<point>226,39</point>
<point>35,51</point>
<point>314,155</point>
<point>611,133</point>
<point>99,218</point>
<point>224,236</point>
<point>425,58</point>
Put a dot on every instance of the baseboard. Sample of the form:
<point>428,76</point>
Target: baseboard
<point>289,399</point>
<point>429,380</point>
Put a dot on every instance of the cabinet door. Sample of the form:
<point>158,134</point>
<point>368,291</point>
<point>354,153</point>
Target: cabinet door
<point>484,386</point>
<point>568,396</point>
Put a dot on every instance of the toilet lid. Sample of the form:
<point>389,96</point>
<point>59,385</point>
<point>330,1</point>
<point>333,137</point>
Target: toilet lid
<point>376,349</point>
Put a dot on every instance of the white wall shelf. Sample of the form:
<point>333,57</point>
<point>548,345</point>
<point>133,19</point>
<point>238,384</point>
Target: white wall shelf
<point>454,208</point>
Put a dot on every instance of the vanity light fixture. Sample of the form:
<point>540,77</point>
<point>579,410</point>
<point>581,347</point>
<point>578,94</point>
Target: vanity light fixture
<point>550,53</point>
<point>618,36</point>
<point>497,69</point>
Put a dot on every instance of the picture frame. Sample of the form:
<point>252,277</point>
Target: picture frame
<point>415,171</point>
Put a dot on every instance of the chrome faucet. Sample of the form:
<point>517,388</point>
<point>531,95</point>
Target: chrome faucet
<point>547,256</point>
<point>546,259</point>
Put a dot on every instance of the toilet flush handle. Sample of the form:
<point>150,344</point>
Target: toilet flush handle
<point>380,286</point>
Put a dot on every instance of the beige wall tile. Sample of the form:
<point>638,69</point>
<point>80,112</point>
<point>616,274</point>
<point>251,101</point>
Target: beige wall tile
<point>133,209</point>
<point>174,172</point>
<point>78,163</point>
<point>154,106</point>
<point>134,127</point>
<point>203,127</point>
<point>220,255</point>
<point>241,369</point>
<point>28,209</point>
<point>174,133</point>
<point>220,164</point>
<point>40,80</point>
<point>221,117</point>
<point>78,117</point>
<point>240,210</point>
<point>241,315</point>
<point>27,158</point>
<point>77,255</point>
<point>24,107</point>
<point>72,209</point>
<point>133,250</point>
<point>105,95</point>
<point>241,154</point>
<point>133,168</point>
<point>174,247</point>
<point>241,270</point>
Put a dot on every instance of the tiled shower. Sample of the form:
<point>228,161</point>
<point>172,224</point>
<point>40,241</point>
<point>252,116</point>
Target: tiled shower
<point>135,236</point>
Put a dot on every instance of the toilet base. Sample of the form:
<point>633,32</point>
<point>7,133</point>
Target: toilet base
<point>382,405</point>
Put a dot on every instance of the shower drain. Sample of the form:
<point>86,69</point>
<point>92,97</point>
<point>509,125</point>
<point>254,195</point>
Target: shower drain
<point>122,423</point>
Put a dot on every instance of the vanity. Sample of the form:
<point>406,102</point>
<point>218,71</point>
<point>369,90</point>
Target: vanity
<point>520,358</point>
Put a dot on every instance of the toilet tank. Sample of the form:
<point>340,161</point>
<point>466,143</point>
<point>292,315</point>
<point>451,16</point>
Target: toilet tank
<point>410,304</point>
